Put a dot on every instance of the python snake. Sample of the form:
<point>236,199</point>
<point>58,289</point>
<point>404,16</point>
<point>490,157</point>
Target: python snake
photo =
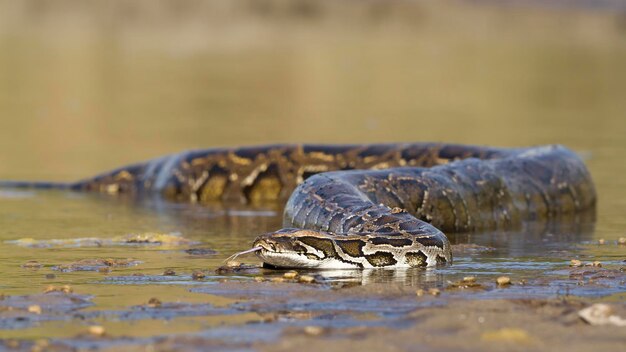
<point>366,206</point>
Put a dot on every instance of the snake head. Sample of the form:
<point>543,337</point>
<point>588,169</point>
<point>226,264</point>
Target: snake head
<point>290,248</point>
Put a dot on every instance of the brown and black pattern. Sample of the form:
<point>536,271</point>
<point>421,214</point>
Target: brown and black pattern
<point>395,194</point>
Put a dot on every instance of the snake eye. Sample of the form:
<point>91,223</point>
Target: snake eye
<point>272,246</point>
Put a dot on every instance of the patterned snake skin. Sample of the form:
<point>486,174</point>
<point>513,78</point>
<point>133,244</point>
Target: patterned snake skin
<point>388,211</point>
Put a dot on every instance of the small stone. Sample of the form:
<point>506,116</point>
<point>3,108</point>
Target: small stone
<point>64,289</point>
<point>469,279</point>
<point>575,263</point>
<point>313,330</point>
<point>34,309</point>
<point>306,279</point>
<point>290,275</point>
<point>154,302</point>
<point>169,272</point>
<point>621,241</point>
<point>420,292</point>
<point>259,279</point>
<point>50,276</point>
<point>601,241</point>
<point>197,275</point>
<point>233,264</point>
<point>32,264</point>
<point>40,345</point>
<point>503,281</point>
<point>434,291</point>
<point>96,330</point>
<point>597,264</point>
<point>278,279</point>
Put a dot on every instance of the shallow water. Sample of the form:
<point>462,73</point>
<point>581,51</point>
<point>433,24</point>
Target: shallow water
<point>86,90</point>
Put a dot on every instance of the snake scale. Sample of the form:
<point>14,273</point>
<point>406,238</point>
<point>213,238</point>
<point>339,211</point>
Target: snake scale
<point>366,206</point>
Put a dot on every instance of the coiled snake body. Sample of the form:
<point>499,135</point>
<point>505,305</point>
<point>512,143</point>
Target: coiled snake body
<point>364,206</point>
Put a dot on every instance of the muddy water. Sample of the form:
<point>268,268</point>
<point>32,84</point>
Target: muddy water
<point>88,88</point>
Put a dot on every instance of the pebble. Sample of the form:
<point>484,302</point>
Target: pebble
<point>34,309</point>
<point>434,291</point>
<point>419,292</point>
<point>503,281</point>
<point>154,302</point>
<point>313,330</point>
<point>259,279</point>
<point>290,275</point>
<point>621,240</point>
<point>233,264</point>
<point>32,264</point>
<point>96,330</point>
<point>64,289</point>
<point>197,275</point>
<point>575,263</point>
<point>277,279</point>
<point>469,279</point>
<point>169,272</point>
<point>306,279</point>
<point>601,241</point>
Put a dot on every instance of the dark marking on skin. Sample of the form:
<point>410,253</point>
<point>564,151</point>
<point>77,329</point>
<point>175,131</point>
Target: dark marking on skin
<point>380,259</point>
<point>353,248</point>
<point>431,241</point>
<point>394,242</point>
<point>266,186</point>
<point>416,259</point>
<point>324,245</point>
<point>441,260</point>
